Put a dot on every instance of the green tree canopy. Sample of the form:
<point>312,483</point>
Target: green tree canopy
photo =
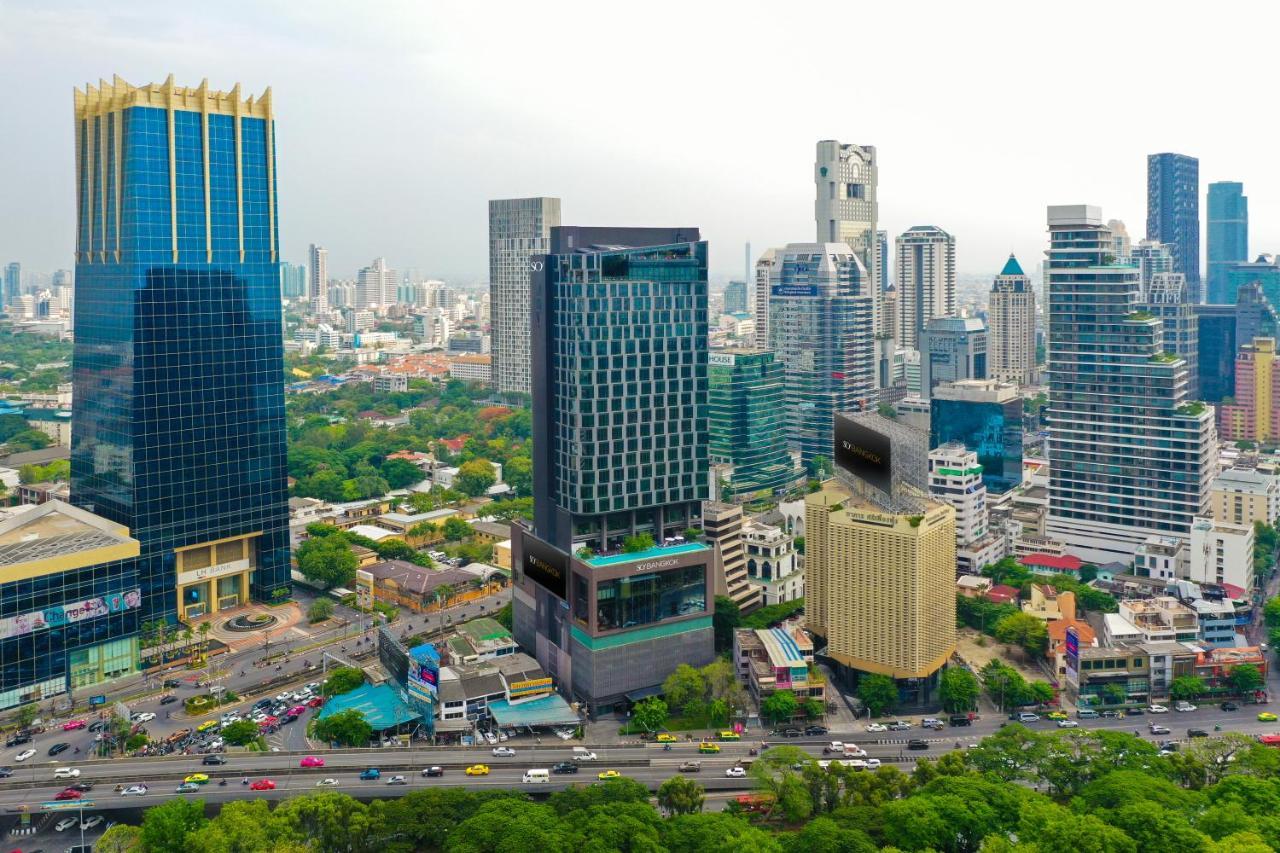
<point>959,689</point>
<point>475,477</point>
<point>327,561</point>
<point>343,679</point>
<point>348,728</point>
<point>681,795</point>
<point>879,693</point>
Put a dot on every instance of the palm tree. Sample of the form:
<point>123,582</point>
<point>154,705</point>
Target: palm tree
<point>187,637</point>
<point>162,637</point>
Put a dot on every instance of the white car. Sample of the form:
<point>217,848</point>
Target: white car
<point>134,791</point>
<point>24,755</point>
<point>581,753</point>
<point>326,783</point>
<point>67,773</point>
<point>64,824</point>
<point>143,717</point>
<point>91,822</point>
<point>503,752</point>
<point>313,686</point>
<point>873,764</point>
<point>1184,706</point>
<point>490,737</point>
<point>1068,724</point>
<point>736,772</point>
<point>1157,709</point>
<point>877,727</point>
<point>284,697</point>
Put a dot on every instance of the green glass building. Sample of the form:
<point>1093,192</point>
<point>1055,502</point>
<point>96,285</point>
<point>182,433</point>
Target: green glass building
<point>747,427</point>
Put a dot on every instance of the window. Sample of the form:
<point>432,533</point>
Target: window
<point>645,599</point>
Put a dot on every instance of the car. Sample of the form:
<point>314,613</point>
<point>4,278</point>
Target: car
<point>284,697</point>
<point>315,702</point>
<point>708,747</point>
<point>477,770</point>
<point>67,773</point>
<point>1068,724</point>
<point>877,727</point>
<point>1157,709</point>
<point>1028,717</point>
<point>261,703</point>
<point>1157,729</point>
<point>899,726</point>
<point>834,746</point>
<point>437,770</point>
<point>370,773</point>
<point>1087,714</point>
<point>65,824</point>
<point>91,821</point>
<point>298,710</point>
<point>311,761</point>
<point>214,759</point>
<point>98,726</point>
<point>490,738</point>
<point>815,731</point>
<point>18,740</point>
<point>735,772</point>
<point>1133,712</point>
<point>172,684</point>
<point>664,737</point>
<point>1056,715</point>
<point>24,755</point>
<point>59,748</point>
<point>1266,717</point>
<point>1109,713</point>
<point>186,788</point>
<point>916,743</point>
<point>1184,707</point>
<point>134,791</point>
<point>852,750</point>
<point>564,767</point>
<point>208,726</point>
<point>604,775</point>
<point>73,725</point>
<point>263,785</point>
<point>873,764</point>
<point>197,779</point>
<point>143,717</point>
<point>1197,733</point>
<point>581,753</point>
<point>503,752</point>
<point>6,772</point>
<point>68,794</point>
<point>1229,706</point>
<point>168,700</point>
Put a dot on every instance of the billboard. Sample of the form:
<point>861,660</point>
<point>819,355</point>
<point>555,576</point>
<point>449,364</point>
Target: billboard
<point>1072,644</point>
<point>423,682</point>
<point>546,565</point>
<point>61,615</point>
<point>863,453</point>
<point>531,687</point>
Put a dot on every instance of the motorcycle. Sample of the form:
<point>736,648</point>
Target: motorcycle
<point>753,751</point>
<point>666,747</point>
<point>222,782</point>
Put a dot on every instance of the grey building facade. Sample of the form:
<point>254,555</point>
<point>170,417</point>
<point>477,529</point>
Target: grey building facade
<point>519,228</point>
<point>1173,213</point>
<point>952,349</point>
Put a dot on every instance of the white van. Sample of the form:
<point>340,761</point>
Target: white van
<point>533,777</point>
<point>581,753</point>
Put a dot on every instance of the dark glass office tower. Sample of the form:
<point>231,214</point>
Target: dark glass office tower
<point>1228,236</point>
<point>1173,213</point>
<point>619,376</point>
<point>178,423</point>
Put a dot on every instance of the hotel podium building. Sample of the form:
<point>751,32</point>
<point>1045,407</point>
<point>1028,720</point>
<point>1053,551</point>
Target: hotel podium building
<point>178,423</point>
<point>619,354</point>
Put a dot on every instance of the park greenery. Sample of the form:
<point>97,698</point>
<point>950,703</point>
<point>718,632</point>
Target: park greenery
<point>345,728</point>
<point>33,364</point>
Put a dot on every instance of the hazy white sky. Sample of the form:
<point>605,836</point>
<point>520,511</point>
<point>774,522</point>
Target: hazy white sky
<point>396,121</point>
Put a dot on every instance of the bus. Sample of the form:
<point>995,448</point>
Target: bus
<point>1269,740</point>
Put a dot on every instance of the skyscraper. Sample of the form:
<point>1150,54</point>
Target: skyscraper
<point>746,420</point>
<point>735,298</point>
<point>882,259</point>
<point>519,228</point>
<point>952,349</point>
<point>986,417</point>
<point>1011,326</point>
<point>178,423</point>
<point>1219,327</point>
<point>925,282</point>
<point>318,270</point>
<point>1152,258</point>
<point>293,280</point>
<point>845,207</point>
<point>12,282</point>
<point>1173,212</point>
<point>1166,297</point>
<point>1228,236</point>
<point>377,286</point>
<point>763,272</point>
<point>1114,389</point>
<point>1255,414</point>
<point>619,371</point>
<point>822,328</point>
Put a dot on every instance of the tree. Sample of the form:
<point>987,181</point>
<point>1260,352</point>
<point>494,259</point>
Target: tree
<point>121,838</point>
<point>28,439</point>
<point>813,708</point>
<point>650,714</point>
<point>320,610</point>
<point>959,689</point>
<point>348,728</point>
<point>1245,678</point>
<point>327,561</point>
<point>343,679</point>
<point>396,549</point>
<point>726,618</point>
<point>240,733</point>
<point>400,473</point>
<point>637,543</point>
<point>475,477</point>
<point>1186,687</point>
<point>1114,694</point>
<point>879,693</point>
<point>27,715</point>
<point>683,686</point>
<point>714,832</point>
<point>1025,631</point>
<point>681,795</point>
<point>518,472</point>
<point>165,827</point>
<point>455,528</point>
<point>779,706</point>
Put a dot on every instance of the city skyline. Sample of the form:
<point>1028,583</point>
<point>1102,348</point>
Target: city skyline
<point>368,195</point>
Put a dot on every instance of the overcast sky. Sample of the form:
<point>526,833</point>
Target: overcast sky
<point>396,121</point>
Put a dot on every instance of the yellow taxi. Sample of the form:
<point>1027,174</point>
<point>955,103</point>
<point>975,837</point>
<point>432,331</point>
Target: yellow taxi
<point>197,778</point>
<point>478,770</point>
<point>609,774</point>
<point>1267,717</point>
<point>707,746</point>
<point>1056,715</point>
<point>729,736</point>
<point>207,725</point>
<point>666,738</point>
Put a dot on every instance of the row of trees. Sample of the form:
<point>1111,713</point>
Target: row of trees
<point>1012,573</point>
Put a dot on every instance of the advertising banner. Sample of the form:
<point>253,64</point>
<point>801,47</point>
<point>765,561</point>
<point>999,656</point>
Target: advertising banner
<point>864,453</point>
<point>546,565</point>
<point>67,614</point>
<point>1072,653</point>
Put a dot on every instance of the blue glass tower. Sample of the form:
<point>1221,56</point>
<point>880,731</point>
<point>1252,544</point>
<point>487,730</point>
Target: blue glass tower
<point>1228,236</point>
<point>178,424</point>
<point>1173,213</point>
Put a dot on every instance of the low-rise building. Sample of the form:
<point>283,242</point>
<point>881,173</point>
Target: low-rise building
<point>1221,552</point>
<point>1168,660</point>
<point>772,563</point>
<point>973,586</point>
<point>770,659</point>
<point>1245,495</point>
<point>404,584</point>
<point>472,368</point>
<point>1162,557</point>
<point>1161,619</point>
<point>1214,666</point>
<point>1051,564</point>
<point>1047,602</point>
<point>1126,667</point>
<point>480,639</point>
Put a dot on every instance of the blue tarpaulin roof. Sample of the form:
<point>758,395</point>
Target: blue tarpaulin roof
<point>381,705</point>
<point>547,711</point>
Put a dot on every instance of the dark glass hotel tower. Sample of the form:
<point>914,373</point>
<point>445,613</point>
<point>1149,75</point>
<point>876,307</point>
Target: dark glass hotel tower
<point>178,421</point>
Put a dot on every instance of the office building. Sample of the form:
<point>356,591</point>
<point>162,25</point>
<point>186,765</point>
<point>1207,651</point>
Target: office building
<point>1173,213</point>
<point>952,349</point>
<point>986,417</point>
<point>1114,389</point>
<point>764,271</point>
<point>882,259</point>
<point>1219,327</point>
<point>1228,236</point>
<point>722,525</point>
<point>318,271</point>
<point>619,353</point>
<point>746,419</point>
<point>925,280</point>
<point>955,479</point>
<point>771,563</point>
<point>519,228</point>
<point>845,207</point>
<point>12,282</point>
<point>377,286</point>
<point>1166,297</point>
<point>1264,270</point>
<point>1255,414</point>
<point>1246,496</point>
<point>1152,258</point>
<point>293,280</point>
<point>821,326</point>
<point>735,298</point>
<point>1011,326</point>
<point>178,424</point>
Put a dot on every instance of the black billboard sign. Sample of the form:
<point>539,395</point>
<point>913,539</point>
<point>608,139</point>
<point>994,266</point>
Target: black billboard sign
<point>864,453</point>
<point>547,565</point>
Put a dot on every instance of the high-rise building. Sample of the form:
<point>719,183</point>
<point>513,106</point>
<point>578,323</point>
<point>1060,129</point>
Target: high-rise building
<point>722,523</point>
<point>955,479</point>
<point>1111,486</point>
<point>1219,327</point>
<point>763,273</point>
<point>1173,212</point>
<point>293,280</point>
<point>845,206</point>
<point>178,424</point>
<point>747,420</point>
<point>607,593</point>
<point>1152,258</point>
<point>1228,236</point>
<point>1011,326</point>
<point>1265,270</point>
<point>735,298</point>
<point>1166,297</point>
<point>377,286</point>
<point>318,270</point>
<point>12,282</point>
<point>821,326</point>
<point>519,228</point>
<point>1255,414</point>
<point>925,280</point>
<point>882,259</point>
<point>985,416</point>
<point>951,349</point>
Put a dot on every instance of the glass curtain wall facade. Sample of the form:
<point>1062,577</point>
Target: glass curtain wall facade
<point>746,417</point>
<point>178,426</point>
<point>1228,236</point>
<point>1173,213</point>
<point>991,430</point>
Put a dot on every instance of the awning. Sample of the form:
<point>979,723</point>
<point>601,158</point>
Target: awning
<point>644,693</point>
<point>547,711</point>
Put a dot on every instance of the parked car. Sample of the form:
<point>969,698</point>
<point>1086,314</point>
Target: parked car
<point>691,767</point>
<point>436,770</point>
<point>91,821</point>
<point>18,740</point>
<point>65,824</point>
